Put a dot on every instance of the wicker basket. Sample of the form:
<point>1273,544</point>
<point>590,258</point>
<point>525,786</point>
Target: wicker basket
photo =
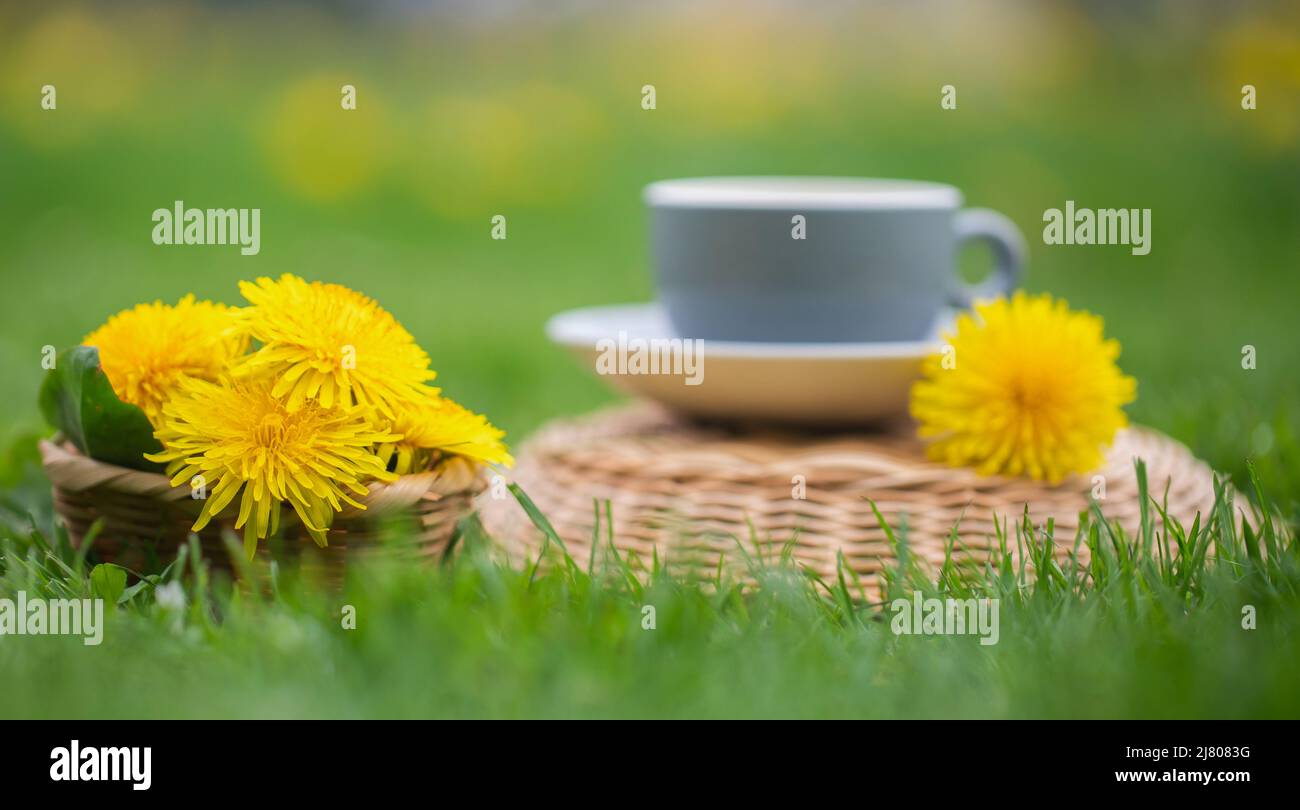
<point>145,519</point>
<point>689,491</point>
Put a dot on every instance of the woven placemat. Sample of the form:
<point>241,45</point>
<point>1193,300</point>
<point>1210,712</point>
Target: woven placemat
<point>687,491</point>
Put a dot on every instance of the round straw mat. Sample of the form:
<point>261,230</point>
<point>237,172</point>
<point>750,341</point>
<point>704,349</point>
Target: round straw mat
<point>690,492</point>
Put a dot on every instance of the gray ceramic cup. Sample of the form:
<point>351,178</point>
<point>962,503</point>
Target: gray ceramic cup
<point>877,261</point>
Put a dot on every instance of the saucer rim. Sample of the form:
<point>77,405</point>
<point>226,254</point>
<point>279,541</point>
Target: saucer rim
<point>561,331</point>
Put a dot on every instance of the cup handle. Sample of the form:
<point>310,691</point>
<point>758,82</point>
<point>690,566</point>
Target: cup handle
<point>1009,251</point>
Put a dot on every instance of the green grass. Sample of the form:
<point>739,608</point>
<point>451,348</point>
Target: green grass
<point>1134,632</point>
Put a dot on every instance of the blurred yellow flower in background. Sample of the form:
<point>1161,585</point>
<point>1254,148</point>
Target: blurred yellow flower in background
<point>470,152</point>
<point>1266,55</point>
<point>148,350</point>
<point>327,343</point>
<point>533,143</point>
<point>92,67</point>
<point>1025,387</point>
<point>243,438</point>
<point>442,426</point>
<point>318,149</point>
<point>718,73</point>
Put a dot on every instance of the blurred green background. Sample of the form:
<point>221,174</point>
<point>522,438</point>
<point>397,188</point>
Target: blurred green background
<point>534,111</point>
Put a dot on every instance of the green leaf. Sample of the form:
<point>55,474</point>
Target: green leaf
<point>108,581</point>
<point>77,398</point>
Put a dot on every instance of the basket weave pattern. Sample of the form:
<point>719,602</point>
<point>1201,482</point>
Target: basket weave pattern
<point>689,492</point>
<point>145,519</point>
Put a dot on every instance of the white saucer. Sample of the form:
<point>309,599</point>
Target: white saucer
<point>797,383</point>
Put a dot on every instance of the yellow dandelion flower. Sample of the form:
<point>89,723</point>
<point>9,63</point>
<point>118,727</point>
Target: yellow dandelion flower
<point>329,344</point>
<point>442,426</point>
<point>241,437</point>
<point>147,351</point>
<point>1029,388</point>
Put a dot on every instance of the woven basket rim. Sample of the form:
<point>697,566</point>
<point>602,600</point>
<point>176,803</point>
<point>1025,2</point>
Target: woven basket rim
<point>70,469</point>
